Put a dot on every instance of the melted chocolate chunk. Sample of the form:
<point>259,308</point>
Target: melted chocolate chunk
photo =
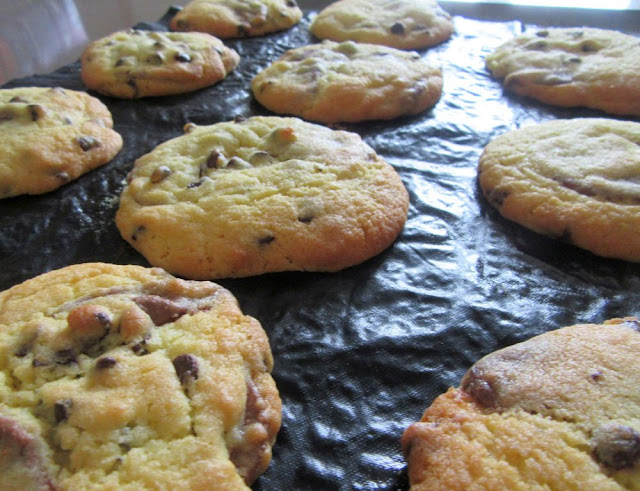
<point>267,239</point>
<point>160,174</point>
<point>160,309</point>
<point>397,28</point>
<point>182,56</point>
<point>186,368</point>
<point>88,142</point>
<point>66,357</point>
<point>477,386</point>
<point>61,410</point>
<point>616,446</point>
<point>106,362</point>
<point>21,451</point>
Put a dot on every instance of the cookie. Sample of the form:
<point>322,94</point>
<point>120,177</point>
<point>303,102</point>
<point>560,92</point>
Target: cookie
<point>135,63</point>
<point>559,411</point>
<point>237,18</point>
<point>348,82</point>
<point>577,180</point>
<point>51,136</point>
<point>124,377</point>
<point>261,195</point>
<point>572,67</point>
<point>402,24</point>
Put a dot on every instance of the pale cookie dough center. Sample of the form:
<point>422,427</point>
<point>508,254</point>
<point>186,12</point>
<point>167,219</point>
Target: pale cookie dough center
<point>606,167</point>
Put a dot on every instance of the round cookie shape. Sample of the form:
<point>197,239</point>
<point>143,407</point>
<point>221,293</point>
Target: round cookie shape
<point>401,24</point>
<point>135,63</point>
<point>123,377</point>
<point>577,180</point>
<point>261,195</point>
<point>237,18</point>
<point>51,136</point>
<point>348,82</point>
<point>559,411</point>
<point>572,67</point>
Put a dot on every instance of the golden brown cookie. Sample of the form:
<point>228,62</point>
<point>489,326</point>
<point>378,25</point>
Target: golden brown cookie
<point>348,82</point>
<point>559,411</point>
<point>577,180</point>
<point>51,136</point>
<point>237,18</point>
<point>261,195</point>
<point>571,67</point>
<point>124,377</point>
<point>135,63</point>
<point>402,24</point>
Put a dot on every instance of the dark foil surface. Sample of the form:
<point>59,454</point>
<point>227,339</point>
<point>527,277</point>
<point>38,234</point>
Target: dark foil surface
<point>361,353</point>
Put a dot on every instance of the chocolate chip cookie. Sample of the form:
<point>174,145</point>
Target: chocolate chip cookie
<point>577,180</point>
<point>559,411</point>
<point>348,82</point>
<point>237,18</point>
<point>117,377</point>
<point>571,67</point>
<point>261,195</point>
<point>402,24</point>
<point>51,136</point>
<point>135,63</point>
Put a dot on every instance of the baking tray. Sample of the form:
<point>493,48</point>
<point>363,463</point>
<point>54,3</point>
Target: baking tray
<point>360,354</point>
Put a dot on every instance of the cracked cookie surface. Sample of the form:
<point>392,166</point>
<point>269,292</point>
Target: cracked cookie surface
<point>124,377</point>
<point>571,67</point>
<point>348,82</point>
<point>261,195</point>
<point>51,136</point>
<point>135,63</point>
<point>559,411</point>
<point>237,18</point>
<point>402,24</point>
<point>577,180</point>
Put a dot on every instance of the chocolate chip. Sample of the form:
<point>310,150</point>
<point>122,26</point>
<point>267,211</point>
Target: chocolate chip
<point>497,196</point>
<point>596,376</point>
<point>537,46</point>
<point>138,231</point>
<point>88,142</point>
<point>160,174</point>
<point>66,357</point>
<point>397,28</point>
<point>18,99</point>
<point>589,46</point>
<point>195,184</point>
<point>267,239</point>
<point>61,410</point>
<point>62,176</point>
<point>160,309</point>
<point>186,368</point>
<point>214,158</point>
<point>242,29</point>
<point>306,218</point>
<point>106,362</point>
<point>575,59</point>
<point>120,62</point>
<point>542,34</point>
<point>36,111</point>
<point>238,163</point>
<point>291,3</point>
<point>239,118</point>
<point>154,59</point>
<point>140,349</point>
<point>182,56</point>
<point>616,446</point>
<point>477,386</point>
